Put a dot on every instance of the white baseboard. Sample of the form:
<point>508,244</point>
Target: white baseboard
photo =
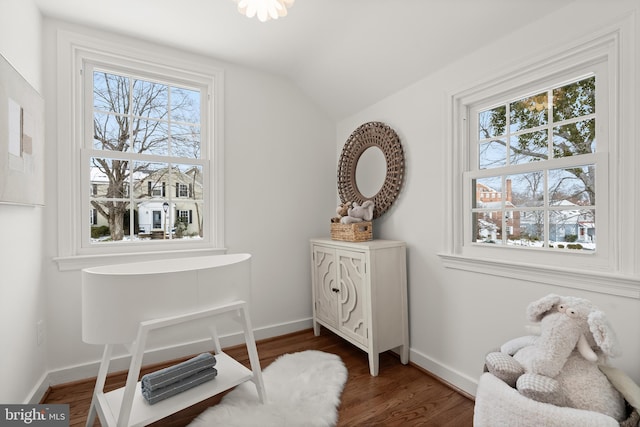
<point>463,382</point>
<point>38,392</point>
<point>90,370</point>
<point>281,329</point>
<point>121,363</point>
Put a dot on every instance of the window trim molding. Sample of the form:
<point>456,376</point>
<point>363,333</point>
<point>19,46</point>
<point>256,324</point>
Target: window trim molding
<point>71,48</point>
<point>606,283</point>
<point>614,44</point>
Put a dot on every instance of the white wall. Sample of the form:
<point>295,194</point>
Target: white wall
<point>279,192</point>
<point>22,291</point>
<point>457,317</point>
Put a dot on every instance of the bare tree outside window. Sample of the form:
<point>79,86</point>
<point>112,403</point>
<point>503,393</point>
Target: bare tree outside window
<point>145,137</point>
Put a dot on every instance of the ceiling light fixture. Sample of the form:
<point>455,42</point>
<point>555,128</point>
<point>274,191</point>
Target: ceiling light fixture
<point>264,9</point>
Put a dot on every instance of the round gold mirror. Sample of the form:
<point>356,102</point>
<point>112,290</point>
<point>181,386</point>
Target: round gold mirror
<point>371,167</point>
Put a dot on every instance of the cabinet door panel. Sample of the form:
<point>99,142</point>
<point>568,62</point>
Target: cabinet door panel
<point>351,298</point>
<point>325,283</point>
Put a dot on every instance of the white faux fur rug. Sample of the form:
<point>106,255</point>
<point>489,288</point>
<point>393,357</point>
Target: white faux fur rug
<point>303,389</point>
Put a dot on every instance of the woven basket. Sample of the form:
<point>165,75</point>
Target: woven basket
<point>358,232</point>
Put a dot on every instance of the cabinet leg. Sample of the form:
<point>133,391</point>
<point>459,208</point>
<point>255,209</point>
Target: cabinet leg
<point>374,363</point>
<point>404,354</point>
<point>316,328</point>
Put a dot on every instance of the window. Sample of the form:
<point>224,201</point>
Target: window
<point>185,216</point>
<point>535,156</point>
<point>155,189</point>
<point>183,190</point>
<point>537,186</point>
<point>142,133</point>
<point>139,143</point>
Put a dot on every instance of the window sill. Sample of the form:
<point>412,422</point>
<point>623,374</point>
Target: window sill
<point>79,262</point>
<point>601,282</point>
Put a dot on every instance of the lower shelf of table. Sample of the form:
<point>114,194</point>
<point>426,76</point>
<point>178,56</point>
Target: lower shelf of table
<point>230,374</point>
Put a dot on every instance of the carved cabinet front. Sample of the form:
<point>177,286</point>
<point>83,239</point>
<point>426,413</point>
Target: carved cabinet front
<point>359,293</point>
<point>340,290</point>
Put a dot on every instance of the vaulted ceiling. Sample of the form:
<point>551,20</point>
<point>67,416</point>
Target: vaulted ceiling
<point>344,54</point>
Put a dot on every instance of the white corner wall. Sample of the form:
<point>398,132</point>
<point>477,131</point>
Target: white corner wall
<point>279,191</point>
<point>456,317</point>
<point>22,291</point>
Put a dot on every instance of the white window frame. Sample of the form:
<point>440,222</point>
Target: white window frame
<point>580,259</point>
<point>74,50</point>
<point>612,268</point>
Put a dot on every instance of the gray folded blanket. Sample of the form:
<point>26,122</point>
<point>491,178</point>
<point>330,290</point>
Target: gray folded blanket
<point>175,373</point>
<point>155,396</point>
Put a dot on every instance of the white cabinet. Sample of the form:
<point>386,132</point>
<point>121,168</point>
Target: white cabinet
<point>360,294</point>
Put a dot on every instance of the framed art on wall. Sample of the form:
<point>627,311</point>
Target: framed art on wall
<point>21,139</point>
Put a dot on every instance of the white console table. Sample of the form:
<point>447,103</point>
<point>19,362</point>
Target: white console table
<point>207,287</point>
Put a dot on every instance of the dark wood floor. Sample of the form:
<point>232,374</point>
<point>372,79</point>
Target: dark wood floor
<point>401,395</point>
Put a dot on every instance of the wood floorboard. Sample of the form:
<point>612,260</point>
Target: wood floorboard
<point>401,395</point>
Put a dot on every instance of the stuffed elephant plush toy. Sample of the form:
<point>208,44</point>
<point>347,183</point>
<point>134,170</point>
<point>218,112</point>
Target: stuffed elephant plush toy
<point>560,365</point>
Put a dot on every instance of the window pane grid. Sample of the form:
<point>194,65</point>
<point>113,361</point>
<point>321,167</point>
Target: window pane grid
<point>145,162</point>
<point>534,181</point>
<point>526,119</point>
<point>524,211</point>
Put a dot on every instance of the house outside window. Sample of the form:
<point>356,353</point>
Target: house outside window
<point>135,119</point>
<point>539,157</point>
